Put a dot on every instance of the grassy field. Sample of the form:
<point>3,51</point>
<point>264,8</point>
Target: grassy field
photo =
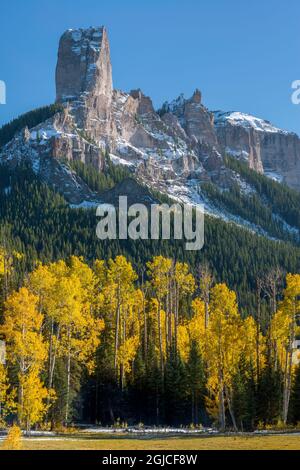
<point>270,442</point>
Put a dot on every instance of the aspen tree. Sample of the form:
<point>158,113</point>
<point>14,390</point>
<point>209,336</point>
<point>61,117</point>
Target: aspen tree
<point>7,395</point>
<point>26,349</point>
<point>121,277</point>
<point>284,329</point>
<point>159,270</point>
<point>184,286</point>
<point>223,348</point>
<point>205,284</point>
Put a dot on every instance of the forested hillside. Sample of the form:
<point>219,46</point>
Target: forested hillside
<point>40,224</point>
<point>30,119</point>
<point>272,208</point>
<point>132,330</point>
<point>95,344</point>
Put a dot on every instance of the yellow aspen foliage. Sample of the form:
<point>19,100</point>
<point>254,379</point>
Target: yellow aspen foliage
<point>159,271</point>
<point>183,341</point>
<point>79,330</point>
<point>212,404</point>
<point>33,405</point>
<point>127,352</point>
<point>192,330</point>
<point>41,283</point>
<point>99,269</point>
<point>197,324</point>
<point>253,346</point>
<point>284,329</point>
<point>86,276</point>
<point>138,303</point>
<point>68,297</point>
<point>2,261</point>
<point>26,349</point>
<point>7,396</point>
<point>131,321</point>
<point>157,315</point>
<point>184,285</point>
<point>118,291</point>
<point>223,346</point>
<point>13,440</point>
<point>185,282</point>
<point>22,329</point>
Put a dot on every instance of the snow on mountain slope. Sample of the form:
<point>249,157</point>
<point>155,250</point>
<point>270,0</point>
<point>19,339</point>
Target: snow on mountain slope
<point>174,150</point>
<point>267,149</point>
<point>247,121</point>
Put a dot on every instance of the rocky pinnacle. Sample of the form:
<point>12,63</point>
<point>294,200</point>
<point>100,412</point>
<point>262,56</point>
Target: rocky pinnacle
<point>83,64</point>
<point>173,150</point>
<point>84,77</point>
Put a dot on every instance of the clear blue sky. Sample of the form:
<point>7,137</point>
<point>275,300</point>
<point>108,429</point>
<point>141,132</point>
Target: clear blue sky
<point>243,55</point>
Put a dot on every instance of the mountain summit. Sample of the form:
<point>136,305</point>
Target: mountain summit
<point>174,150</point>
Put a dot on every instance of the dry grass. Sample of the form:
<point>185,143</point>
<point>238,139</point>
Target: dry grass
<point>271,442</point>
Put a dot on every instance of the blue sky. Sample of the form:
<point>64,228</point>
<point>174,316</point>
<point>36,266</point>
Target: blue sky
<point>243,55</point>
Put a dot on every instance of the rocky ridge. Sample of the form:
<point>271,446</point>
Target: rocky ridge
<point>174,150</point>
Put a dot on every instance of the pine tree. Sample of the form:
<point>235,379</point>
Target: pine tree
<point>175,389</point>
<point>196,384</point>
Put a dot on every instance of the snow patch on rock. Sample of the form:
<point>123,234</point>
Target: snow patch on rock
<point>236,118</point>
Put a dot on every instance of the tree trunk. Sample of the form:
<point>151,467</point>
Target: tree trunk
<point>231,410</point>
<point>117,337</point>
<point>176,315</point>
<point>68,383</point>
<point>222,409</point>
<point>258,318</point>
<point>221,402</point>
<point>145,329</point>
<point>160,339</point>
<point>288,369</point>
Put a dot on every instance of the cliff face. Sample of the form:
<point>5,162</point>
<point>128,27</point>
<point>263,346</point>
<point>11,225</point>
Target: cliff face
<point>267,149</point>
<point>168,150</point>
<point>83,64</point>
<point>173,150</point>
<point>84,78</point>
<point>196,120</point>
<point>280,154</point>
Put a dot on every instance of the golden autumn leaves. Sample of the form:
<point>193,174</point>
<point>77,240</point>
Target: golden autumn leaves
<point>64,310</point>
<point>54,316</point>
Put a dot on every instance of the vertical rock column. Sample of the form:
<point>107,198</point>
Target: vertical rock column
<point>84,79</point>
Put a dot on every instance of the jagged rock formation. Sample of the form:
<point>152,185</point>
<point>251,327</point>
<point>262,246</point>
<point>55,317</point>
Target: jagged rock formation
<point>169,150</point>
<point>84,78</point>
<point>196,120</point>
<point>268,150</point>
<point>173,150</point>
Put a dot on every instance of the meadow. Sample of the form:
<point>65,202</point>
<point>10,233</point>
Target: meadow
<point>230,442</point>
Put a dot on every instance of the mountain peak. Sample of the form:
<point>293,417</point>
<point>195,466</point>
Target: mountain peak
<point>83,64</point>
<point>174,150</point>
<point>197,96</point>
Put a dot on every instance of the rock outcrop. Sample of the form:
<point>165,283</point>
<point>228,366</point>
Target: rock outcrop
<point>174,149</point>
<point>84,78</point>
<point>195,118</point>
<point>268,150</point>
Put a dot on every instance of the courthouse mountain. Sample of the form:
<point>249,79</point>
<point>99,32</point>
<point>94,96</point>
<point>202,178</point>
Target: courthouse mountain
<point>182,150</point>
